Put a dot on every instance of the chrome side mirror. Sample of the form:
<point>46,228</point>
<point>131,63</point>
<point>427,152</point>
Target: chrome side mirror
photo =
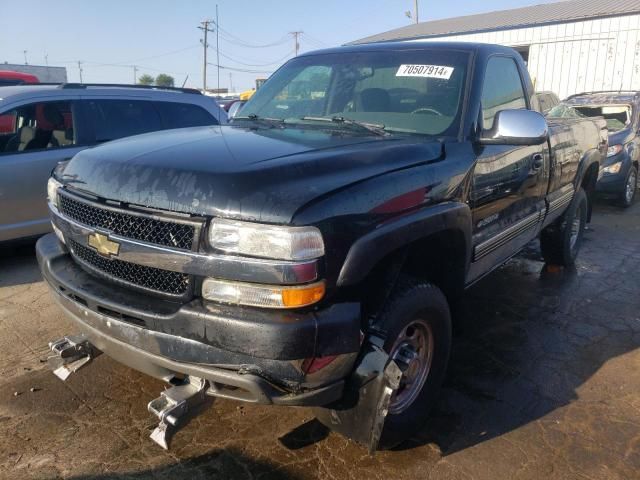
<point>516,127</point>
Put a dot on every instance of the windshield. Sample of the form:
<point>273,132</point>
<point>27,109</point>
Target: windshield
<point>414,91</point>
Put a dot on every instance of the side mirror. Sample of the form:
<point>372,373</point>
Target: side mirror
<point>516,127</point>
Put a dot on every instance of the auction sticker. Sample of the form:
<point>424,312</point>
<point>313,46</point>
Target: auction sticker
<point>428,71</point>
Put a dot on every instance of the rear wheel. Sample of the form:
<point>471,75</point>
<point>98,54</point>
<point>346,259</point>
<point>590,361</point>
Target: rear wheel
<point>418,325</point>
<point>560,242</point>
<point>630,187</point>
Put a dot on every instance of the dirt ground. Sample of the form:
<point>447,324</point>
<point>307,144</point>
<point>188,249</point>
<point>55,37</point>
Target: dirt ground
<point>544,382</point>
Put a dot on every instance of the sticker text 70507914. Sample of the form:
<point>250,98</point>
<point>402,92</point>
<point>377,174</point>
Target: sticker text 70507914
<point>429,71</point>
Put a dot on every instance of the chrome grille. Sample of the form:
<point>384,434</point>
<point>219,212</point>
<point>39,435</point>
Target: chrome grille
<point>138,227</point>
<point>163,281</point>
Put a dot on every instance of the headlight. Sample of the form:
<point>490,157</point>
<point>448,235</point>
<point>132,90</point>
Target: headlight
<point>266,296</point>
<point>52,190</point>
<point>615,168</point>
<point>266,241</point>
<point>614,150</point>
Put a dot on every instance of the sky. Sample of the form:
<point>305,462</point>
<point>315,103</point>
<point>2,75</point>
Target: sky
<point>161,36</point>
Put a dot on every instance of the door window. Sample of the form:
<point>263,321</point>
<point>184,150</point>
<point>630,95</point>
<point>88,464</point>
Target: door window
<point>37,126</point>
<point>114,119</point>
<point>502,89</point>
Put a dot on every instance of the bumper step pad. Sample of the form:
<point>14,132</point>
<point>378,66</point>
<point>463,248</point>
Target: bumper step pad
<point>70,354</point>
<point>175,405</point>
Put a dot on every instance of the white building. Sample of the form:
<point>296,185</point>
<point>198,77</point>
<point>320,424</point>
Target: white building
<point>570,47</point>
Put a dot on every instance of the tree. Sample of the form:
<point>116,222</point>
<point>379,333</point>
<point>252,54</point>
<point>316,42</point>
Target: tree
<point>146,79</point>
<point>164,80</point>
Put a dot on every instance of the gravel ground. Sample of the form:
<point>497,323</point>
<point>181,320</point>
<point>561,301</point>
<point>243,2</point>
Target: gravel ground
<point>544,382</point>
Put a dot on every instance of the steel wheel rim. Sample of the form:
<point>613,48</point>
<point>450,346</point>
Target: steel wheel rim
<point>413,352</point>
<point>631,187</point>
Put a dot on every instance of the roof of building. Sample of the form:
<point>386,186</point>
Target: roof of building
<point>550,13</point>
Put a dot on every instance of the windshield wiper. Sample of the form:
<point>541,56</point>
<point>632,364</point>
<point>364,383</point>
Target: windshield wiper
<point>376,128</point>
<point>256,118</point>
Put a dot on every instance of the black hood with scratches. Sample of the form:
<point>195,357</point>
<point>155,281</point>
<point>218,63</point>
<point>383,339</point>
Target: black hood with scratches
<point>264,174</point>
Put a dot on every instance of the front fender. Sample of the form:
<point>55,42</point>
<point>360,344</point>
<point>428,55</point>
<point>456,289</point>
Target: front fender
<point>368,250</point>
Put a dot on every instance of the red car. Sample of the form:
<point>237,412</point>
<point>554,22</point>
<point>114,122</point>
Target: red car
<point>8,77</point>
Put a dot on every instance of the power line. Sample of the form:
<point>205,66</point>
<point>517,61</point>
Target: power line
<point>309,39</point>
<point>166,54</point>
<point>230,38</point>
<point>276,62</point>
<point>243,70</point>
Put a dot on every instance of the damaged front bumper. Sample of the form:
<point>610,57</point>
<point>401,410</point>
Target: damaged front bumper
<point>244,354</point>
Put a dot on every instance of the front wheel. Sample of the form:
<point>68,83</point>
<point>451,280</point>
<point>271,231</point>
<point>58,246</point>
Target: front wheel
<point>560,241</point>
<point>630,187</point>
<point>418,325</point>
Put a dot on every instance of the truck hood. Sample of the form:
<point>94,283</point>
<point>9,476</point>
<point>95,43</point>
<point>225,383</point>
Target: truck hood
<point>261,174</point>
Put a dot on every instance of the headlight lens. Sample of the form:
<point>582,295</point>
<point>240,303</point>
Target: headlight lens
<point>52,190</point>
<point>266,296</point>
<point>266,241</point>
<point>614,150</point>
<point>615,168</point>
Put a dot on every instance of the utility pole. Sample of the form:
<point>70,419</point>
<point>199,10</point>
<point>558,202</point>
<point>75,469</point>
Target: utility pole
<point>135,74</point>
<point>80,70</point>
<point>46,59</point>
<point>415,3</point>
<point>230,82</point>
<point>25,57</point>
<point>218,47</point>
<point>296,44</point>
<point>205,29</point>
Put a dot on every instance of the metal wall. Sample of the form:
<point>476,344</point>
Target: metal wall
<point>568,58</point>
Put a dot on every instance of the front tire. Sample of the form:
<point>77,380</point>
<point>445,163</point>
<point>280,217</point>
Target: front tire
<point>630,188</point>
<point>418,325</point>
<point>560,242</point>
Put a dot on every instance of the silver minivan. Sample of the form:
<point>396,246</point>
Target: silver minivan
<point>43,125</point>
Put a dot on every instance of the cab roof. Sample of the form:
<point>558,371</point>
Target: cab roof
<point>485,48</point>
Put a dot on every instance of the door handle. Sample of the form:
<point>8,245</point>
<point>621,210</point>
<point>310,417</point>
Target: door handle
<point>537,161</point>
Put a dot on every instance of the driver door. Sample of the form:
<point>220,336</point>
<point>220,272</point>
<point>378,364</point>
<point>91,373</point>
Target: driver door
<point>509,182</point>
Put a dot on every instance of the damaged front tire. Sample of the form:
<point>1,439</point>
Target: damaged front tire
<point>398,375</point>
<point>417,322</point>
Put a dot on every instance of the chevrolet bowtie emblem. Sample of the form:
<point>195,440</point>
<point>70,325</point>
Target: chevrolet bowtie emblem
<point>103,245</point>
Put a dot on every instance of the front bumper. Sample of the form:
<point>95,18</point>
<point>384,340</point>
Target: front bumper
<point>246,354</point>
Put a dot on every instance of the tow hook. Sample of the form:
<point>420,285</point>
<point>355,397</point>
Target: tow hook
<point>174,406</point>
<point>361,414</point>
<point>70,354</point>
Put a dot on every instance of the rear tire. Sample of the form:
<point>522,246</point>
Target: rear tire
<point>630,188</point>
<point>560,242</point>
<point>418,325</point>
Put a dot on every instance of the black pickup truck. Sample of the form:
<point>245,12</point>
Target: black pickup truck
<point>308,253</point>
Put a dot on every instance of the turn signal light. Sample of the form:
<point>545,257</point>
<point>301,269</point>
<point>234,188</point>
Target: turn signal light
<point>299,297</point>
<point>266,296</point>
